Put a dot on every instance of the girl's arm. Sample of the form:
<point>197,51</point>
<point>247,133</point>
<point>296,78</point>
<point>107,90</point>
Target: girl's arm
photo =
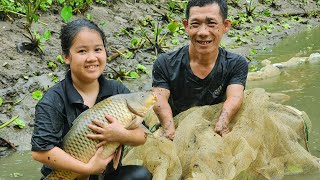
<point>59,159</point>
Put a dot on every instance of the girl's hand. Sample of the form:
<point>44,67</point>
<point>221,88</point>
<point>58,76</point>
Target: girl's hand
<point>98,163</point>
<point>113,132</point>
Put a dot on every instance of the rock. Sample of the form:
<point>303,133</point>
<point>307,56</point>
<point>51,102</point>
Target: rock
<point>266,72</point>
<point>295,61</point>
<point>314,58</point>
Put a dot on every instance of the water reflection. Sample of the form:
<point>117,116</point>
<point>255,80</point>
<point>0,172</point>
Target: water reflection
<point>19,165</point>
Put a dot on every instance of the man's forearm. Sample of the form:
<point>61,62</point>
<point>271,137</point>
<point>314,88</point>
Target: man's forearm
<point>230,108</point>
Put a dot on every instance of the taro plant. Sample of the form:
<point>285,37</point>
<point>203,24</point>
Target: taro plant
<point>159,35</point>
<point>250,8</point>
<point>36,43</point>
<point>36,40</point>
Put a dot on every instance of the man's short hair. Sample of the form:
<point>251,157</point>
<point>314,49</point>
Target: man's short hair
<point>222,5</point>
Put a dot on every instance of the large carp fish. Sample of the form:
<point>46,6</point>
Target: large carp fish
<point>128,109</point>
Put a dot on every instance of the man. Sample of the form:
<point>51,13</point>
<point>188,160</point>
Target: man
<point>200,73</point>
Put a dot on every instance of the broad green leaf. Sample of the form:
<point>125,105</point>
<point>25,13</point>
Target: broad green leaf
<point>173,26</point>
<point>66,13</point>
<point>37,95</point>
<point>1,101</point>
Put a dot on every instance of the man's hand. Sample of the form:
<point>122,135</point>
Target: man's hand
<point>169,130</point>
<point>221,128</point>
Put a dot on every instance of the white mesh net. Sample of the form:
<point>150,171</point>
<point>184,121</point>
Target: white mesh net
<point>267,141</point>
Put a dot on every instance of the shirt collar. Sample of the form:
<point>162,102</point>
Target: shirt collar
<point>74,96</point>
<point>105,90</point>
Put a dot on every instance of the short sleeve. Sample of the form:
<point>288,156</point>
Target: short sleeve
<point>160,73</point>
<point>48,126</point>
<point>239,72</point>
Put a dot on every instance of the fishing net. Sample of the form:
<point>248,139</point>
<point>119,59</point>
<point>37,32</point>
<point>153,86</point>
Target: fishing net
<point>267,141</point>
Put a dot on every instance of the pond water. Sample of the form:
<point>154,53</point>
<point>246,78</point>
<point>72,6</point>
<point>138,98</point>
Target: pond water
<point>301,83</point>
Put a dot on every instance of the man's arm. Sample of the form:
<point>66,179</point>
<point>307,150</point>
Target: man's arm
<point>164,112</point>
<point>230,107</point>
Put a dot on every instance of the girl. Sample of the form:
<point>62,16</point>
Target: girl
<point>83,46</point>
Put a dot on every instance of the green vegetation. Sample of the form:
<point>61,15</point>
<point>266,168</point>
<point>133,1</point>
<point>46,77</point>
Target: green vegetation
<point>37,95</point>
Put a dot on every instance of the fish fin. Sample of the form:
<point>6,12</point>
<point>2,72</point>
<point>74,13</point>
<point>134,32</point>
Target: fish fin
<point>137,120</point>
<point>116,158</point>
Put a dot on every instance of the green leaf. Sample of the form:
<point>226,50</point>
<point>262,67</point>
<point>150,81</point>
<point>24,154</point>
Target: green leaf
<point>66,13</point>
<point>35,18</point>
<point>128,54</point>
<point>175,41</point>
<point>89,16</point>
<point>1,101</point>
<point>20,123</point>
<point>257,29</point>
<point>47,35</point>
<point>52,65</point>
<point>135,42</point>
<point>134,75</point>
<point>142,68</point>
<point>173,26</point>
<point>37,95</point>
<point>60,59</point>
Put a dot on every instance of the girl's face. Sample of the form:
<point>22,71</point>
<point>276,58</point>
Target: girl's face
<point>87,57</point>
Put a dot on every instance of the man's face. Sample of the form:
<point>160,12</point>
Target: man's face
<point>205,28</point>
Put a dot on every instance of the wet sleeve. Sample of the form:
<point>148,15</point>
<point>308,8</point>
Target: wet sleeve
<point>240,72</point>
<point>160,73</point>
<point>48,127</point>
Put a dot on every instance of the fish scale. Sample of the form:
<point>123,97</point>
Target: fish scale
<point>82,148</point>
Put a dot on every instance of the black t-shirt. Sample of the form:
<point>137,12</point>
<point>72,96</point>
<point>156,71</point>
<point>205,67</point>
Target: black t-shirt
<point>172,71</point>
<point>59,107</point>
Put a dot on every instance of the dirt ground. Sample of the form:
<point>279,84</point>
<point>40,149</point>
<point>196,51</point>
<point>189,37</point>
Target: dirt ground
<point>23,73</point>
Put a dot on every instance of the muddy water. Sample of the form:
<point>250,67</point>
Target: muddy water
<point>19,165</point>
<point>301,83</point>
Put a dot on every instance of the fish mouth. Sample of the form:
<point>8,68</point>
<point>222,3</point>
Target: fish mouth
<point>148,104</point>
